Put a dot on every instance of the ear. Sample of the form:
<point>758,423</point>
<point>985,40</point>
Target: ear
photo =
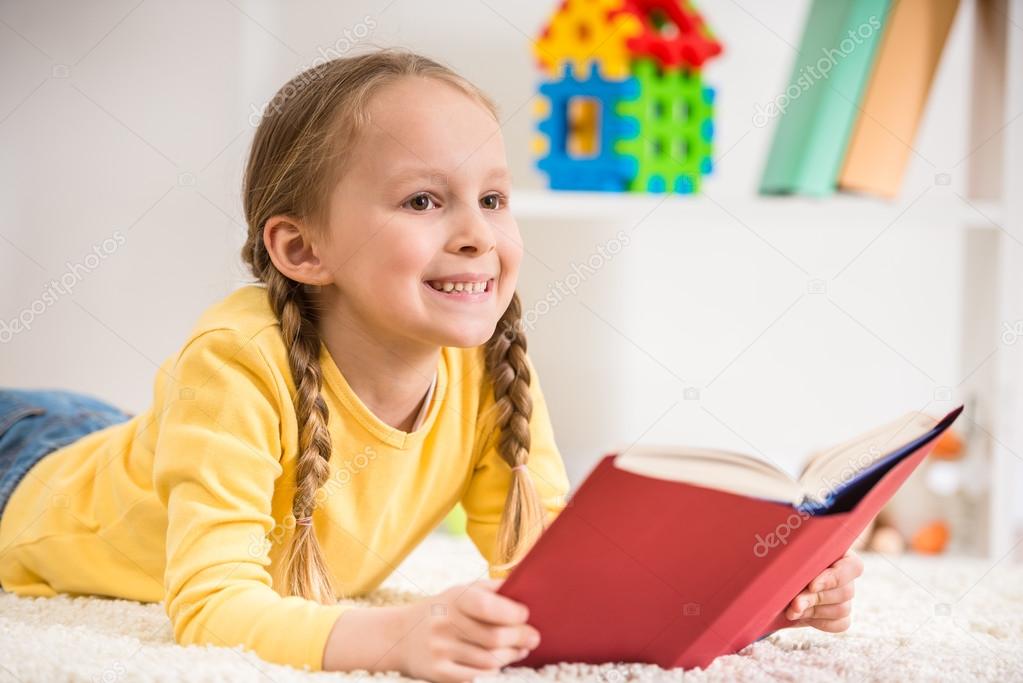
<point>289,244</point>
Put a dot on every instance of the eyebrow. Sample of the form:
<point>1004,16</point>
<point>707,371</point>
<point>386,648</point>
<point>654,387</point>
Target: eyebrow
<point>418,172</point>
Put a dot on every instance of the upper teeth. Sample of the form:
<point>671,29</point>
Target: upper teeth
<point>471,287</point>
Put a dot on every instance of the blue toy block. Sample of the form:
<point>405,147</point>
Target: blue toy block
<point>607,170</point>
<point>684,184</point>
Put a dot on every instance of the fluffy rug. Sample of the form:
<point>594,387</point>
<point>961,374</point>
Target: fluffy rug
<point>914,619</point>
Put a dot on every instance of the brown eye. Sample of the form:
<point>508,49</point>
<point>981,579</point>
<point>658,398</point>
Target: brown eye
<point>420,202</point>
<point>495,204</point>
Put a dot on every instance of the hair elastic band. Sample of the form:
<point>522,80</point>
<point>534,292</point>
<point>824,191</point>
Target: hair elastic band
<point>519,467</point>
<point>304,521</point>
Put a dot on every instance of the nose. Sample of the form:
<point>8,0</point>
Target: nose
<point>473,232</point>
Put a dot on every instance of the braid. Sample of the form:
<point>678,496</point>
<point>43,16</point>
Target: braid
<point>523,517</point>
<point>305,570</point>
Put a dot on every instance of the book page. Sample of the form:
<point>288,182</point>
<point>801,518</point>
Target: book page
<point>830,470</point>
<point>717,469</point>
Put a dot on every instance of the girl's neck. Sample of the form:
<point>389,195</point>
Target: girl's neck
<point>389,377</point>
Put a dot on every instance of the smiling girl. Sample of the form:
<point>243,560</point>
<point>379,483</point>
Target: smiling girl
<point>317,424</point>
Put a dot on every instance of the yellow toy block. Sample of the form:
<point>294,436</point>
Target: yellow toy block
<point>585,32</point>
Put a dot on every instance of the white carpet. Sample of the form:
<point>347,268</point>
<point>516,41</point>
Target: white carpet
<point>913,619</point>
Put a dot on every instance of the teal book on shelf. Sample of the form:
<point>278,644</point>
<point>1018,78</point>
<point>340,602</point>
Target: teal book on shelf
<point>817,110</point>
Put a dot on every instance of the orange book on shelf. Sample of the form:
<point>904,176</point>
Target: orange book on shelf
<point>896,93</point>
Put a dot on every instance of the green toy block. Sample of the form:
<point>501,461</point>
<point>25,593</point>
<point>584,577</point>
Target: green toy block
<point>674,122</point>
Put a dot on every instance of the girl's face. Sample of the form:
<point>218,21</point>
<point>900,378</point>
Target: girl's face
<point>422,207</point>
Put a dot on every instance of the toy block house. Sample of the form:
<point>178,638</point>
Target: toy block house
<point>624,106</point>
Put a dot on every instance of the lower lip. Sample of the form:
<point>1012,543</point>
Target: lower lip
<point>467,297</point>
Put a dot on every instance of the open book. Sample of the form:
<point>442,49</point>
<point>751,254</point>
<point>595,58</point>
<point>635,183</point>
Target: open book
<point>674,556</point>
<point>828,480</point>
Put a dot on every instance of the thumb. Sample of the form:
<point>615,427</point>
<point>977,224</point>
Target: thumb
<point>491,584</point>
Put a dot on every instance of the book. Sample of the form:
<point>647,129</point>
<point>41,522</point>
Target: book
<point>820,103</point>
<point>674,556</point>
<point>896,94</point>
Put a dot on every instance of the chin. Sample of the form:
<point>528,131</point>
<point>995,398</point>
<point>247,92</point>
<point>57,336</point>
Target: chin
<point>467,336</point>
<point>465,341</point>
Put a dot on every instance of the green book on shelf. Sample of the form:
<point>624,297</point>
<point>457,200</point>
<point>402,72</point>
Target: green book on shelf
<point>817,110</point>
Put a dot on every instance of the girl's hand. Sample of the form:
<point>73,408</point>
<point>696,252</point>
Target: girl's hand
<point>827,601</point>
<point>466,631</point>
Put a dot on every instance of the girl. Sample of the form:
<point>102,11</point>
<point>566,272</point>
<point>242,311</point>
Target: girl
<point>319,422</point>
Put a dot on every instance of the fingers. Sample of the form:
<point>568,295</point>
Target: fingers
<point>839,611</point>
<point>832,586</point>
<point>806,604</point>
<point>472,655</point>
<point>843,571</point>
<point>829,625</point>
<point>808,601</point>
<point>491,636</point>
<point>480,603</point>
<point>827,603</point>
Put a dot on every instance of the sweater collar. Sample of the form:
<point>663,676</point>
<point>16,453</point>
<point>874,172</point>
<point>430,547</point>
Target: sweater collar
<point>335,381</point>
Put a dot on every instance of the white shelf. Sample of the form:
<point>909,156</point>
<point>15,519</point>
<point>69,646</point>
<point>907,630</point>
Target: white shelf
<point>991,78</point>
<point>938,205</point>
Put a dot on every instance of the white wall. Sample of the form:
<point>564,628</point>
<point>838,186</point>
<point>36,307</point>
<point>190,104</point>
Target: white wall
<point>134,119</point>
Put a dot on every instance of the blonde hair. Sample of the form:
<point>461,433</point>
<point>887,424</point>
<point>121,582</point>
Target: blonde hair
<point>288,173</point>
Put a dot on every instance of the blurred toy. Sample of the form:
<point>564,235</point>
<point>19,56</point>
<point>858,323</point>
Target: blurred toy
<point>931,539</point>
<point>624,106</point>
<point>916,517</point>
<point>454,522</point>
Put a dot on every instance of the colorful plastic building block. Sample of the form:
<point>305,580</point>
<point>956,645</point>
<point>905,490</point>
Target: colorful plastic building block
<point>605,169</point>
<point>623,104</point>
<point>674,33</point>
<point>675,116</point>
<point>586,33</point>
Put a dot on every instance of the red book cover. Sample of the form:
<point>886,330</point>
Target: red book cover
<point>644,569</point>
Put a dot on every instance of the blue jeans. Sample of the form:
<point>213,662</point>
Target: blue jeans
<point>36,422</point>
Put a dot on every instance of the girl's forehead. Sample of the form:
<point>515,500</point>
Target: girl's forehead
<point>420,115</point>
<point>452,133</point>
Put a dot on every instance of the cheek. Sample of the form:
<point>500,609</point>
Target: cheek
<point>393,255</point>
<point>406,258</point>
<point>509,250</point>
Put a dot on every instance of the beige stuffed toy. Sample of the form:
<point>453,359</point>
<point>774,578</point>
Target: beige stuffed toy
<point>914,517</point>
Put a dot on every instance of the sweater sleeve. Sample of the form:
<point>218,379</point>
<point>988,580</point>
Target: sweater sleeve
<point>216,461</point>
<point>491,479</point>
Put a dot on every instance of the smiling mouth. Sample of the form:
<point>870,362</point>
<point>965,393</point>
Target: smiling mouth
<point>477,290</point>
<point>472,287</point>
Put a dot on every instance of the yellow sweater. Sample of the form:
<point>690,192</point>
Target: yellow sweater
<point>186,502</point>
